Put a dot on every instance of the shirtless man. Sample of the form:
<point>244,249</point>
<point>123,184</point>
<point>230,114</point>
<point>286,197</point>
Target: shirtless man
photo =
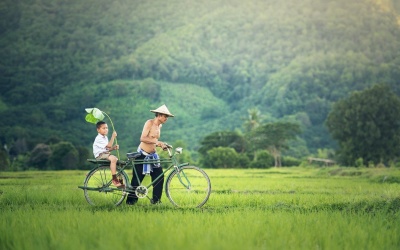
<point>147,147</point>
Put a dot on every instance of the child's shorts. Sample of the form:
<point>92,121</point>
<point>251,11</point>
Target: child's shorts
<point>103,156</point>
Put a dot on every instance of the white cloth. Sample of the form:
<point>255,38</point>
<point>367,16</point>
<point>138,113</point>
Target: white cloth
<point>99,145</point>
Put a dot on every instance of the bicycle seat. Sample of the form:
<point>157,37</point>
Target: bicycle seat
<point>99,161</point>
<point>133,155</point>
<point>105,162</point>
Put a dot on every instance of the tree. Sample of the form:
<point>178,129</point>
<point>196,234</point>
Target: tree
<point>39,156</point>
<point>253,119</point>
<point>64,157</point>
<point>274,138</point>
<point>4,160</point>
<point>367,125</point>
<point>83,155</point>
<point>223,139</point>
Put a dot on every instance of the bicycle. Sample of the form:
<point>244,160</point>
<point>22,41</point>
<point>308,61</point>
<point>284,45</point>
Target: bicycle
<point>186,186</point>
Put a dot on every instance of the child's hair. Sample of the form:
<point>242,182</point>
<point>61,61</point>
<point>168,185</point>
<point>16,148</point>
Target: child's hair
<point>98,124</point>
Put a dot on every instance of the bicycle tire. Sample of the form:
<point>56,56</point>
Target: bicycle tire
<point>99,191</point>
<point>190,187</point>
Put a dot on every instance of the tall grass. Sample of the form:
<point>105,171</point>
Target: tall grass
<point>287,208</point>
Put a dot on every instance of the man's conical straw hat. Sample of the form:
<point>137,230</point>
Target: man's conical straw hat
<point>162,110</point>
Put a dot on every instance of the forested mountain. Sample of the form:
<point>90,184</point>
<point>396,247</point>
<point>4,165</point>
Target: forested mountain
<point>209,61</point>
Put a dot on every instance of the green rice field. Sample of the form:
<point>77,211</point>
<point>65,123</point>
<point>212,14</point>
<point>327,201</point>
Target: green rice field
<point>278,208</point>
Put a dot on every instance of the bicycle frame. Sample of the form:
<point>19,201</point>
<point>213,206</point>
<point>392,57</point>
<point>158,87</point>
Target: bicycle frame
<point>132,162</point>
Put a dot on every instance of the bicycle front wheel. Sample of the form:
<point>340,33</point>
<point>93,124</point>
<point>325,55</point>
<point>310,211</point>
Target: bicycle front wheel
<point>99,190</point>
<point>189,187</point>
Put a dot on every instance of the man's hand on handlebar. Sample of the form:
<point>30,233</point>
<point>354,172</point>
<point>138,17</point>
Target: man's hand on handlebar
<point>164,145</point>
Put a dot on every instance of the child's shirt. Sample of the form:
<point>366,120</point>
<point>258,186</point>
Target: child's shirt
<point>99,145</point>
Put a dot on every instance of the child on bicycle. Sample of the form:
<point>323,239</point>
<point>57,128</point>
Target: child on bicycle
<point>102,147</point>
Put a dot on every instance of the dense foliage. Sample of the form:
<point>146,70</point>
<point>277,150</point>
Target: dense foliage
<point>209,61</point>
<point>261,147</point>
<point>367,126</point>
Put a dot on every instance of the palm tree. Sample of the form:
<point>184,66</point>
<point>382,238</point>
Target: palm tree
<point>253,119</point>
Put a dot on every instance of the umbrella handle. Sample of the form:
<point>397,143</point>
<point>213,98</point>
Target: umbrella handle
<point>112,125</point>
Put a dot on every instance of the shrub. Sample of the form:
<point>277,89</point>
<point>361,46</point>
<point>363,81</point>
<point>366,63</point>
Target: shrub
<point>359,162</point>
<point>222,157</point>
<point>64,156</point>
<point>84,154</point>
<point>289,161</point>
<point>39,156</point>
<point>19,162</point>
<point>262,159</point>
<point>243,161</point>
<point>4,160</point>
<point>380,165</point>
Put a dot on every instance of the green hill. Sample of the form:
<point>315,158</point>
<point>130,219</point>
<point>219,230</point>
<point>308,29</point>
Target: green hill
<point>209,61</point>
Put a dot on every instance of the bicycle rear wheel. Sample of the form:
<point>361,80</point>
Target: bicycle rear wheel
<point>99,190</point>
<point>190,187</point>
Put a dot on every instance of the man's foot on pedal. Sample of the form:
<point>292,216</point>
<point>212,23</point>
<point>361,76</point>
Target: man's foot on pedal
<point>118,184</point>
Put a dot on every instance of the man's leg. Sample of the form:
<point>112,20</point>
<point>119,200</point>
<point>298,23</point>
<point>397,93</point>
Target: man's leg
<point>132,198</point>
<point>158,186</point>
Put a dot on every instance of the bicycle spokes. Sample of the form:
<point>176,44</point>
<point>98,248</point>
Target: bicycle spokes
<point>190,187</point>
<point>99,190</point>
<point>184,179</point>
